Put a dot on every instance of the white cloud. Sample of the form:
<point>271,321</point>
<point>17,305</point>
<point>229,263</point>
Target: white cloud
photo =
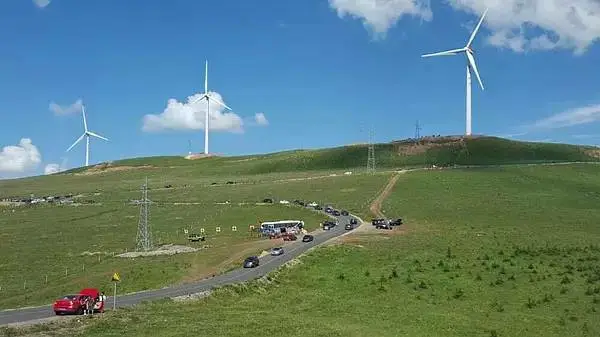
<point>19,158</point>
<point>583,115</point>
<point>261,119</point>
<point>67,109</point>
<point>380,15</point>
<point>522,25</point>
<point>190,116</point>
<point>51,168</point>
<point>41,3</point>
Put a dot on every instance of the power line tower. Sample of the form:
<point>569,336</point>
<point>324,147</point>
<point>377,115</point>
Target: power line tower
<point>144,237</point>
<point>417,131</point>
<point>371,154</point>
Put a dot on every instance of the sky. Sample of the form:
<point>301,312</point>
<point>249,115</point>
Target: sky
<point>296,74</point>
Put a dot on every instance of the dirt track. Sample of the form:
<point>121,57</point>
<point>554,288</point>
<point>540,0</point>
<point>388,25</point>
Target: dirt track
<point>375,207</point>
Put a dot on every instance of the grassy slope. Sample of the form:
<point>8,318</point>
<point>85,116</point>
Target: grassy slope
<point>495,252</point>
<point>48,240</point>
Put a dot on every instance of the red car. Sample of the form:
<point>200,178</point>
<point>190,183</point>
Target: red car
<point>75,304</point>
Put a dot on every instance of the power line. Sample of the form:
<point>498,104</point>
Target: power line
<point>144,237</point>
<point>371,154</point>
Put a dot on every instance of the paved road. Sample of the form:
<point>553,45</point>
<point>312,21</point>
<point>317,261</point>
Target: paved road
<point>267,264</point>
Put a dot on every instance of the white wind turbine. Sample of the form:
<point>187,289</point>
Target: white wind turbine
<point>470,66</point>
<point>208,97</point>
<point>87,134</point>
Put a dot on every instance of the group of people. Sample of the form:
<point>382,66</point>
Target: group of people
<point>90,303</point>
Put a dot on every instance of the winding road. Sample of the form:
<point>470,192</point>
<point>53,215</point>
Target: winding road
<point>267,264</point>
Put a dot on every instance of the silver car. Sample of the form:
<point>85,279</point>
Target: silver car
<point>276,251</point>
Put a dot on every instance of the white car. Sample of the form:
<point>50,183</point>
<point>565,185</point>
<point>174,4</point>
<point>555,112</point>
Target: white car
<point>313,204</point>
<point>284,202</point>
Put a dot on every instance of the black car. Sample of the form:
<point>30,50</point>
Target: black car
<point>383,226</point>
<point>353,221</point>
<point>328,209</point>
<point>251,262</point>
<point>318,208</point>
<point>348,227</point>
<point>267,200</point>
<point>336,213</point>
<point>327,225</point>
<point>307,238</point>
<point>396,222</point>
<point>345,213</point>
<point>377,222</point>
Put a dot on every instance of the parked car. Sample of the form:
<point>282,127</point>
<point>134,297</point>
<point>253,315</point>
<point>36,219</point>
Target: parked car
<point>251,262</point>
<point>353,221</point>
<point>277,251</point>
<point>396,222</point>
<point>70,304</point>
<point>345,212</point>
<point>307,238</point>
<point>328,209</point>
<point>336,213</point>
<point>318,208</point>
<point>327,225</point>
<point>267,200</point>
<point>376,222</point>
<point>383,225</point>
<point>348,227</point>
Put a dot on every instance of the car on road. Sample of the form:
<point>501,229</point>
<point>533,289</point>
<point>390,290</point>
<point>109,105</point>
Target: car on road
<point>336,213</point>
<point>327,225</point>
<point>313,204</point>
<point>328,209</point>
<point>348,227</point>
<point>308,238</point>
<point>70,304</point>
<point>251,262</point>
<point>345,212</point>
<point>353,221</point>
<point>276,251</point>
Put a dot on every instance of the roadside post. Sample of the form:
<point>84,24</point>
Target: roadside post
<point>116,278</point>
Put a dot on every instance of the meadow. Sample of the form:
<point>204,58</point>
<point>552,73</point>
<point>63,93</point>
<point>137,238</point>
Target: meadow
<point>49,250</point>
<point>484,252</point>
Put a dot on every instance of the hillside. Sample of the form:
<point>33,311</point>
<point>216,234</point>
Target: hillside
<point>440,151</point>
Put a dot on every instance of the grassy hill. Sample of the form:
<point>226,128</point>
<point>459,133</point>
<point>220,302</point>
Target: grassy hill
<point>441,151</point>
<point>509,251</point>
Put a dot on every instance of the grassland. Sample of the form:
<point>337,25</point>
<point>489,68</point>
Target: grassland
<point>49,250</point>
<point>489,252</point>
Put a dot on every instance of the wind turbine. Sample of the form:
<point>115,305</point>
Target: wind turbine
<point>87,134</point>
<point>470,66</point>
<point>208,97</point>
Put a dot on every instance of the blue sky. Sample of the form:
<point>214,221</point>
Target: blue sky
<point>322,72</point>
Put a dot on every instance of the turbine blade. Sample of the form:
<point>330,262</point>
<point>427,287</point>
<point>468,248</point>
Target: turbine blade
<point>198,99</point>
<point>474,67</point>
<point>445,53</point>
<point>84,119</point>
<point>476,29</point>
<point>206,77</point>
<point>96,135</point>
<point>219,102</point>
<point>77,141</point>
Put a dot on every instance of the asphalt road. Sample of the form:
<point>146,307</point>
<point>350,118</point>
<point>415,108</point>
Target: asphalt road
<point>267,264</point>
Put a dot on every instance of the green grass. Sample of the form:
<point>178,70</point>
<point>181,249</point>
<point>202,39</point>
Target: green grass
<point>488,252</point>
<point>46,241</point>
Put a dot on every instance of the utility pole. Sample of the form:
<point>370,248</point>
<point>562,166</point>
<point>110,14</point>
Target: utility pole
<point>144,237</point>
<point>371,155</point>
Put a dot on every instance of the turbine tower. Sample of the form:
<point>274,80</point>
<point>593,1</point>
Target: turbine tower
<point>471,66</point>
<point>87,134</point>
<point>208,97</point>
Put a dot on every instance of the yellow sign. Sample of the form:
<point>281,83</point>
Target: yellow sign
<point>116,277</point>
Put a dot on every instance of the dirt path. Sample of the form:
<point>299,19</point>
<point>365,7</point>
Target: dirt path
<point>375,207</point>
